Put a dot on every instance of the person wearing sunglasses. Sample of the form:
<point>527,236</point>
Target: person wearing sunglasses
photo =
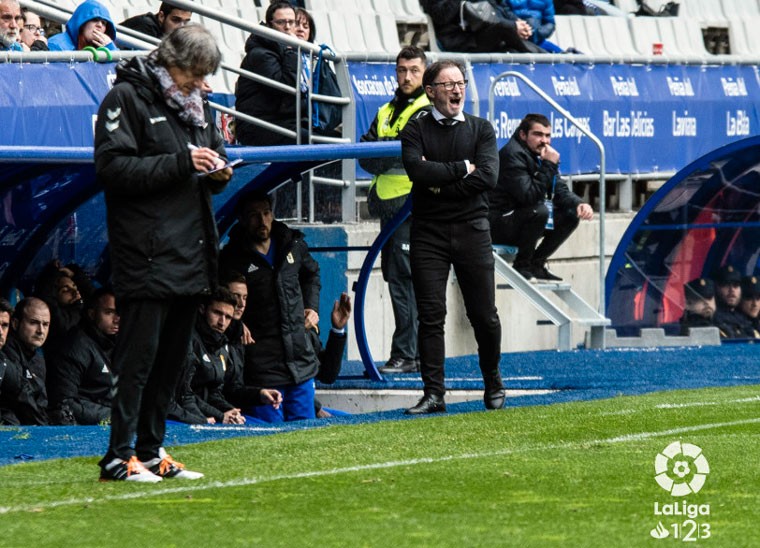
<point>11,22</point>
<point>32,35</point>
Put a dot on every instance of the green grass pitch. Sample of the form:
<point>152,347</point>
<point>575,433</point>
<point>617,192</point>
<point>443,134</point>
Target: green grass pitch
<point>579,474</point>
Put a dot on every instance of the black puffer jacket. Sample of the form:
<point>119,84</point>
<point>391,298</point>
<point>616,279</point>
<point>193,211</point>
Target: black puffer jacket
<point>209,358</point>
<point>279,63</point>
<point>283,353</point>
<point>524,182</point>
<point>79,375</point>
<point>161,229</point>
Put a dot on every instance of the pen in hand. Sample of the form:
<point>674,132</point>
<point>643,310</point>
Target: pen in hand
<point>204,159</point>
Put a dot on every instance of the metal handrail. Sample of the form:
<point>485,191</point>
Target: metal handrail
<point>589,134</point>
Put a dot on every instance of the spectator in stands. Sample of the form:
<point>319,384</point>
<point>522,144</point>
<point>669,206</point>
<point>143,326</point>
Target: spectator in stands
<point>733,324</point>
<point>29,328</point>
<point>209,359</point>
<point>509,34</point>
<point>539,14</point>
<point>452,161</point>
<point>10,372</point>
<point>571,7</point>
<point>699,297</point>
<point>282,274</point>
<point>155,142</point>
<point>278,62</point>
<point>11,23</point>
<point>89,26</point>
<point>531,201</point>
<point>80,382</point>
<point>159,24</point>
<point>305,28</point>
<point>32,35</point>
<point>750,303</point>
<point>387,194</point>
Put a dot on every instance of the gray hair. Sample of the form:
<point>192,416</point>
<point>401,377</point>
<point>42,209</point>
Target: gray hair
<point>192,48</point>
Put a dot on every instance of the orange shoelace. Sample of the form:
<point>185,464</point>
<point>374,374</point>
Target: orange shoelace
<point>134,466</point>
<point>166,464</point>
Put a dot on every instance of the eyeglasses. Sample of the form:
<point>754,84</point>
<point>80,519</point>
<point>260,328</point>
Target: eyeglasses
<point>34,29</point>
<point>8,18</point>
<point>449,86</point>
<point>284,22</point>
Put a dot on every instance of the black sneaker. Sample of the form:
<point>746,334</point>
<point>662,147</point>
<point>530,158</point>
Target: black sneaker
<point>164,466</point>
<point>543,273</point>
<point>526,273</point>
<point>400,365</point>
<point>127,470</point>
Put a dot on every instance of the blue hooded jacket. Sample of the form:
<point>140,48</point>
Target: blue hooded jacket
<point>86,11</point>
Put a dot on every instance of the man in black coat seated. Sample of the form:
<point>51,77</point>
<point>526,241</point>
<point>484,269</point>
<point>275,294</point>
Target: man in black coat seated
<point>158,24</point>
<point>80,381</point>
<point>531,202</point>
<point>733,324</point>
<point>10,374</point>
<point>29,329</point>
<point>699,299</point>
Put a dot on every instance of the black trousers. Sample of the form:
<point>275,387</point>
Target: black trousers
<point>154,339</point>
<point>524,227</point>
<point>435,247</point>
<point>397,273</point>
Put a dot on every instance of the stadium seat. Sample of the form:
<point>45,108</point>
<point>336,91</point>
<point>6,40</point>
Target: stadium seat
<point>736,10</point>
<point>324,32</point>
<point>580,36</point>
<point>563,34</point>
<point>738,38</point>
<point>389,33</point>
<point>645,33</point>
<point>751,34</point>
<point>344,32</point>
<point>628,6</point>
<point>248,11</point>
<point>617,36</point>
<point>371,32</point>
<point>670,42</point>
<point>688,34</point>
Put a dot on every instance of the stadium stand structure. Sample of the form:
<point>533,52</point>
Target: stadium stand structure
<point>619,87</point>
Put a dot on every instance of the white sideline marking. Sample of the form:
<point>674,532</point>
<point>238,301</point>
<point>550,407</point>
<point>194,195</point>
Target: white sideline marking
<point>362,467</point>
<point>751,399</point>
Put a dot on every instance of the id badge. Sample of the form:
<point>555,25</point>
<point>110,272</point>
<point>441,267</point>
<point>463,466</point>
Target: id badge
<point>549,220</point>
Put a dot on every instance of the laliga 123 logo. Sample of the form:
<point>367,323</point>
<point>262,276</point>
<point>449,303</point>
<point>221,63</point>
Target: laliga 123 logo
<point>681,469</point>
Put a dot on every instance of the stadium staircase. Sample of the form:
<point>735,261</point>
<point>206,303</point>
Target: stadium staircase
<point>580,313</point>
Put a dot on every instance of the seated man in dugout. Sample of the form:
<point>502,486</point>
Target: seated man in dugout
<point>80,381</point>
<point>531,202</point>
<point>750,303</point>
<point>699,298</point>
<point>728,295</point>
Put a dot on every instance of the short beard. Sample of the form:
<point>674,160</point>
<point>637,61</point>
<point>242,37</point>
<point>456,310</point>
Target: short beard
<point>7,40</point>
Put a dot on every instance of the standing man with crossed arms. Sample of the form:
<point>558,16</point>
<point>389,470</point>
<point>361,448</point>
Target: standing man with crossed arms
<point>387,194</point>
<point>452,161</point>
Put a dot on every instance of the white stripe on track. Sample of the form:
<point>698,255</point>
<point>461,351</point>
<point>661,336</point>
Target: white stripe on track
<point>362,467</point>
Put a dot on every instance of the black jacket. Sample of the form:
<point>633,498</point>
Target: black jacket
<point>30,406</point>
<point>10,388</point>
<point>279,63</point>
<point>524,182</point>
<point>442,191</point>
<point>283,353</point>
<point>209,358</point>
<point>79,375</point>
<point>500,37</point>
<point>161,230</point>
<point>235,390</point>
<point>146,23</point>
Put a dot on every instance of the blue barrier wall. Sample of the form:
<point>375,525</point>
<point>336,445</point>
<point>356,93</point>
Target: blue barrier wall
<point>649,117</point>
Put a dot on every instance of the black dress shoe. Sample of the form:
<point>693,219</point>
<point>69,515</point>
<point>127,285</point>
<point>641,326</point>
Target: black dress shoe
<point>400,365</point>
<point>494,398</point>
<point>430,403</point>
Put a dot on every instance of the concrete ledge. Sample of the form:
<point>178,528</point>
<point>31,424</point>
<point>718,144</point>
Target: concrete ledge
<point>374,401</point>
<point>652,337</point>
